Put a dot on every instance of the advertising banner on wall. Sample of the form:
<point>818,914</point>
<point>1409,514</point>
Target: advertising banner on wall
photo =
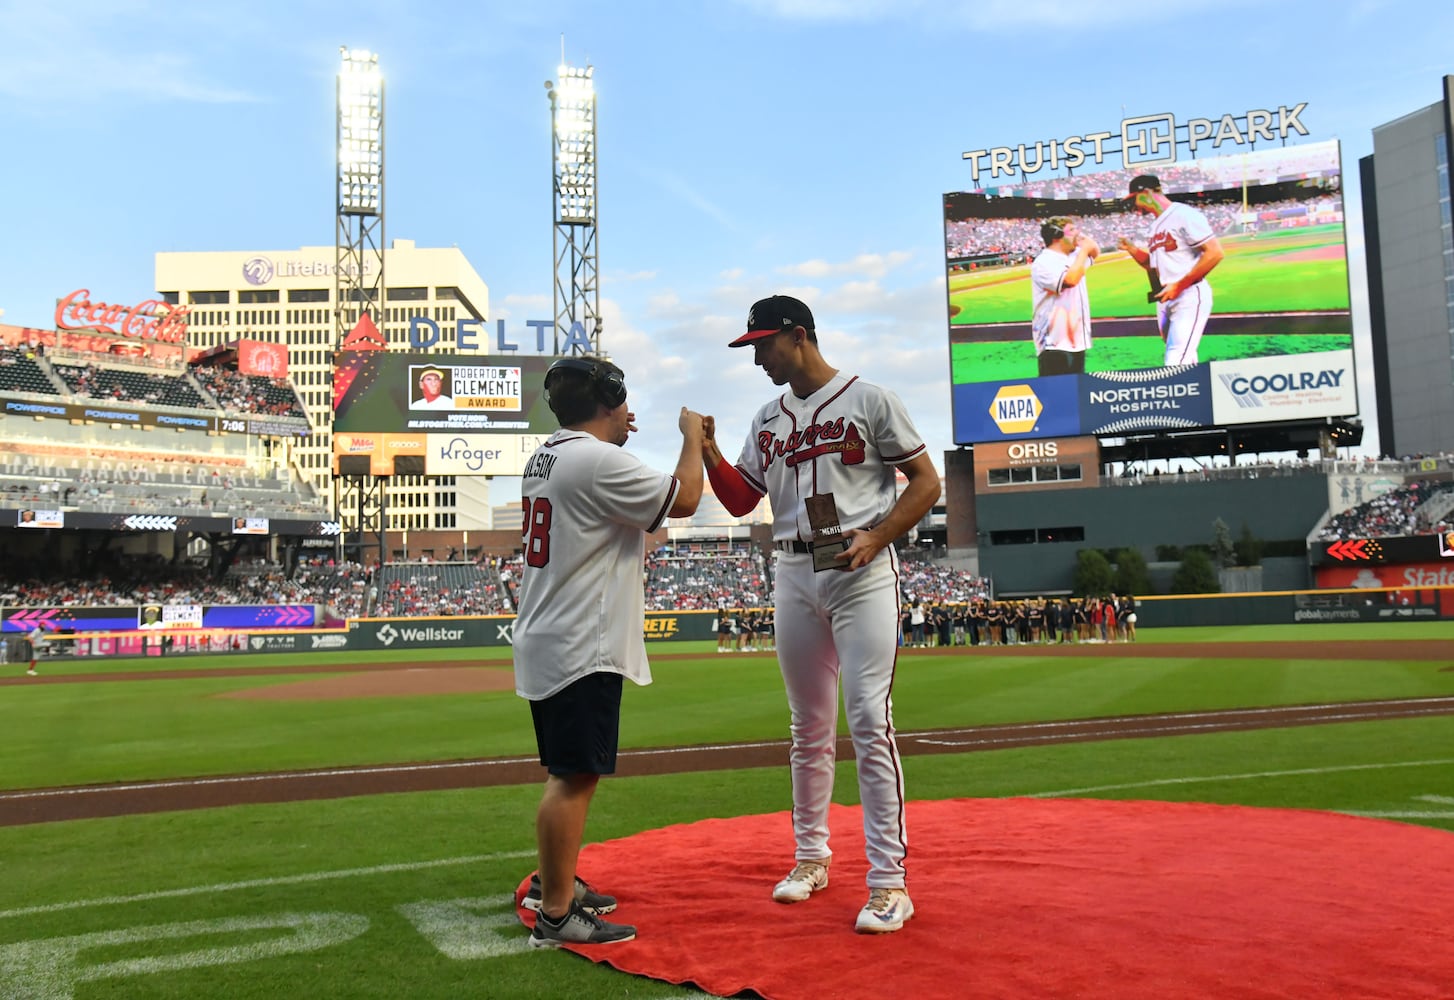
<point>1256,390</point>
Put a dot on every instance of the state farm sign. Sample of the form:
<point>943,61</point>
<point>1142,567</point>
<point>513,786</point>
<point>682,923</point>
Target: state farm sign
<point>149,320</point>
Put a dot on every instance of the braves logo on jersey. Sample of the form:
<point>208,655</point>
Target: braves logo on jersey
<point>812,441</point>
<point>1163,241</point>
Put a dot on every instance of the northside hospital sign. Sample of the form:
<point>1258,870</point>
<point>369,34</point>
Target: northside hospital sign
<point>1143,141</point>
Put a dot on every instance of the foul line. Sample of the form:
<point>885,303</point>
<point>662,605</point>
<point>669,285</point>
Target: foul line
<point>202,890</point>
<point>1235,777</point>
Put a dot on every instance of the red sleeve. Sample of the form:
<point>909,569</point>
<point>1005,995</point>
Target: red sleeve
<point>736,494</point>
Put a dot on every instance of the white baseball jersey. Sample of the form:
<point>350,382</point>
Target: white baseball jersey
<point>588,505</point>
<point>1062,318</point>
<point>1176,236</point>
<point>844,439</point>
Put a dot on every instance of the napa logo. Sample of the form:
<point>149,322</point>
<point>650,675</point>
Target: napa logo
<point>1015,409</point>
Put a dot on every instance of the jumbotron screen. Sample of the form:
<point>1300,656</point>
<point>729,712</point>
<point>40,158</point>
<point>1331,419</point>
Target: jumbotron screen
<point>1076,307</point>
<point>438,414</point>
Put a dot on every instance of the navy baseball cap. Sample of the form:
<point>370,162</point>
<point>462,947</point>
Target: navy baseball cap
<point>1145,182</point>
<point>774,314</point>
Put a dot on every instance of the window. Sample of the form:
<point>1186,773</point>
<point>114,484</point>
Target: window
<point>307,295</point>
<point>249,295</point>
<point>209,298</point>
<point>408,294</point>
<point>446,294</point>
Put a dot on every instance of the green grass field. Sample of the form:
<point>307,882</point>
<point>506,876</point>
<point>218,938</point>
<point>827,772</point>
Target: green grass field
<point>1296,271</point>
<point>1293,271</point>
<point>415,887</point>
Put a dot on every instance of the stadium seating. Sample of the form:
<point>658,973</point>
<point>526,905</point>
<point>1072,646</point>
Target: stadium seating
<point>21,372</point>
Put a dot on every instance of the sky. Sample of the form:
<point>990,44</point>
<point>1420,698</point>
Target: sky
<point>745,148</point>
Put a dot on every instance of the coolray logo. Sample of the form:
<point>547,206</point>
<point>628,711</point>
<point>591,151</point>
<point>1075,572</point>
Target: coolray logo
<point>330,641</point>
<point>387,634</point>
<point>473,458</point>
<point>1015,409</point>
<point>1249,391</point>
<point>258,270</point>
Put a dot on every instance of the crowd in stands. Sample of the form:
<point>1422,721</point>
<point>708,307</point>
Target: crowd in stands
<point>685,582</point>
<point>1390,514</point>
<point>238,393</point>
<point>127,386</point>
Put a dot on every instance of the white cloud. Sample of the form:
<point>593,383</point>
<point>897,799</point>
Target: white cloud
<point>868,265</point>
<point>59,53</point>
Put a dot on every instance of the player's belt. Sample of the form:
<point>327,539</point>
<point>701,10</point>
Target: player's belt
<point>801,548</point>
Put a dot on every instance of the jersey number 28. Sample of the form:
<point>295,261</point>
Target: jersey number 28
<point>535,531</point>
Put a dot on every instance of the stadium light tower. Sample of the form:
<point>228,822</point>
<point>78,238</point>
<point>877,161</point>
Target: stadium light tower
<point>359,241</point>
<point>359,272</point>
<point>577,297</point>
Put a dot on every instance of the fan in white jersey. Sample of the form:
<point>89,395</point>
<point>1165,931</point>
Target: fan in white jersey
<point>1181,252</point>
<point>588,506</point>
<point>833,434</point>
<point>1061,324</point>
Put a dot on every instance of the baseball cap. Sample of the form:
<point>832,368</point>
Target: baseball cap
<point>773,315</point>
<point>1144,182</point>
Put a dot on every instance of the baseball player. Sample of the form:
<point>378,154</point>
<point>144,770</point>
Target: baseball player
<point>1180,254</point>
<point>833,437</point>
<point>588,506</point>
<point>1061,324</point>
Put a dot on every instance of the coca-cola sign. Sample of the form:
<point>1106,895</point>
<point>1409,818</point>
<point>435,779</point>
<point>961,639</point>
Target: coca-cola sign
<point>149,320</point>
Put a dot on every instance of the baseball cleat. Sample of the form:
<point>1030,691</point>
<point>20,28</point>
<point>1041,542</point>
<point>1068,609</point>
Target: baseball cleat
<point>589,899</point>
<point>806,878</point>
<point>578,927</point>
<point>885,911</point>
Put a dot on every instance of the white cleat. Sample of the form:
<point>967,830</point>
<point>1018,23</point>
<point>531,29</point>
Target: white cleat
<point>806,878</point>
<point>885,911</point>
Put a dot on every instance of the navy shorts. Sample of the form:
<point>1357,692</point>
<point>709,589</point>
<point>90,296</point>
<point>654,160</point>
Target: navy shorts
<point>577,728</point>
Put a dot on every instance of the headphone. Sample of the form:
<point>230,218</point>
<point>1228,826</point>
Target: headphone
<point>1051,231</point>
<point>608,384</point>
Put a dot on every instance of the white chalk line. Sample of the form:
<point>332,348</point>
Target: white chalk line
<point>259,883</point>
<point>1225,727</point>
<point>1246,776</point>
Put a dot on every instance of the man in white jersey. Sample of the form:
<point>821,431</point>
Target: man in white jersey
<point>1061,324</point>
<point>1180,254</point>
<point>588,506</point>
<point>832,436</point>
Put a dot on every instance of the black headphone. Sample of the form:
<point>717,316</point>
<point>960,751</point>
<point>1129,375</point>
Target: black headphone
<point>608,384</point>
<point>1051,231</point>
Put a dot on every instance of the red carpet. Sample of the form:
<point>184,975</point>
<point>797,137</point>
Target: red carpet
<point>1030,898</point>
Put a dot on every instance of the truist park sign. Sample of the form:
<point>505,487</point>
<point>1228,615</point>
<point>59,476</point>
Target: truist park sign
<point>1144,141</point>
<point>149,320</point>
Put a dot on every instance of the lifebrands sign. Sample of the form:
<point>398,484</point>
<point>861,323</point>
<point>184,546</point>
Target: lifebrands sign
<point>1143,141</point>
<point>148,320</point>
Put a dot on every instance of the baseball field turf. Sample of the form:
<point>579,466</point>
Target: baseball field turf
<point>395,895</point>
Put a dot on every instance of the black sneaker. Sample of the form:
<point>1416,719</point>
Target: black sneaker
<point>591,901</point>
<point>578,927</point>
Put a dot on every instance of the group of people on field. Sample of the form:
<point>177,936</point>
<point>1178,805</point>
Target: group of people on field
<point>1109,618</point>
<point>744,630</point>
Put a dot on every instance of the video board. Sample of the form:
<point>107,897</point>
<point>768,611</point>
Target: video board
<point>1056,327</point>
<point>438,414</point>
